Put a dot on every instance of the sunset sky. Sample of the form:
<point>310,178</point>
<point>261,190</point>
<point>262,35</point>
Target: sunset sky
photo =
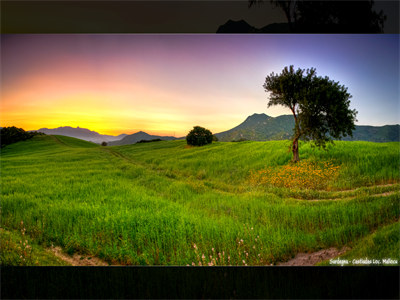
<point>166,84</point>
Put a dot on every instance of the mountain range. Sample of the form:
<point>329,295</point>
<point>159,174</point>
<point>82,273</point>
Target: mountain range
<point>261,127</point>
<point>138,136</point>
<point>257,127</point>
<point>82,133</point>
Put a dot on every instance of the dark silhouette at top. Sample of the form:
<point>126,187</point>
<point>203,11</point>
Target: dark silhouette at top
<point>330,16</point>
<point>157,16</point>
<point>237,27</point>
<point>244,27</point>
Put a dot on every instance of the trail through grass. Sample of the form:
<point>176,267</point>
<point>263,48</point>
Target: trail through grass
<point>168,204</point>
<point>379,248</point>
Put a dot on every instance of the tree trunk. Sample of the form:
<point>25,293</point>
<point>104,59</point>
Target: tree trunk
<point>295,144</point>
<point>295,149</point>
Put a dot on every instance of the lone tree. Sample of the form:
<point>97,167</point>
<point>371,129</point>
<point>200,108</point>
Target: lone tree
<point>199,136</point>
<point>319,105</point>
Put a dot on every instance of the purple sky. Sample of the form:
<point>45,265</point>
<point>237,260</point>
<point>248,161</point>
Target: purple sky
<point>166,84</point>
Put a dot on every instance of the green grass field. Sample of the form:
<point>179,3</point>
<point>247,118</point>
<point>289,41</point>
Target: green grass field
<point>165,203</point>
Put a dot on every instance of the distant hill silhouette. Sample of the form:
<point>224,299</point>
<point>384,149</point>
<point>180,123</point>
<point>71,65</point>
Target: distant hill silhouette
<point>387,133</point>
<point>81,133</point>
<point>257,127</point>
<point>261,127</point>
<point>139,136</point>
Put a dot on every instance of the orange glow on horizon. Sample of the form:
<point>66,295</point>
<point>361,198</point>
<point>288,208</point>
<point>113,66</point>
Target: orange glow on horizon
<point>158,91</point>
<point>113,108</point>
<point>166,84</point>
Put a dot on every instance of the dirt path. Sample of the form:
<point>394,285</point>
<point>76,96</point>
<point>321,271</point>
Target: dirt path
<point>351,197</point>
<point>76,259</point>
<point>58,141</point>
<point>310,259</point>
<point>119,155</point>
<point>367,186</point>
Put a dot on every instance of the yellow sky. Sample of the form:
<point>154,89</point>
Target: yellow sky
<point>160,84</point>
<point>119,106</point>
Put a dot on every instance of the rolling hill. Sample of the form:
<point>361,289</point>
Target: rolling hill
<point>261,127</point>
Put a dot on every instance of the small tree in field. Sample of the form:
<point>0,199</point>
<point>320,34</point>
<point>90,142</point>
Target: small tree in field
<point>199,136</point>
<point>104,144</point>
<point>319,105</point>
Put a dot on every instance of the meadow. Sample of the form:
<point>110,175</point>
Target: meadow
<point>165,203</point>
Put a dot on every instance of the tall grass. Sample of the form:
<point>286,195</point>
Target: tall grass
<point>151,203</point>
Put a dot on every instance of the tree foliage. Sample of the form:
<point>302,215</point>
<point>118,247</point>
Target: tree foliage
<point>199,136</point>
<point>320,106</point>
<point>10,135</point>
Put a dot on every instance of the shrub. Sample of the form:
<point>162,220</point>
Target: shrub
<point>240,140</point>
<point>10,135</point>
<point>199,136</point>
<point>104,143</point>
<point>149,141</point>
